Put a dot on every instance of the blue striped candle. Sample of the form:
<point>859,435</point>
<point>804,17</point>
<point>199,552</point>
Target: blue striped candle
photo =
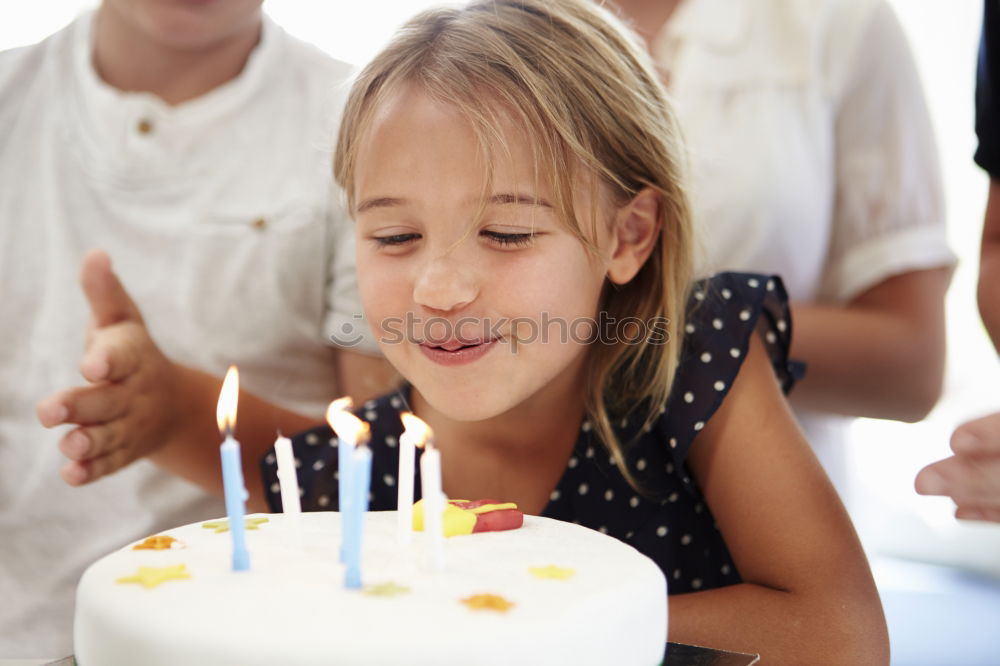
<point>232,468</point>
<point>236,497</point>
<point>333,417</point>
<point>353,515</point>
<point>354,459</point>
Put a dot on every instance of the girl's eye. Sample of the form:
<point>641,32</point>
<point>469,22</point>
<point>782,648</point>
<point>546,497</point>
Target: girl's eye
<point>395,240</point>
<point>508,240</point>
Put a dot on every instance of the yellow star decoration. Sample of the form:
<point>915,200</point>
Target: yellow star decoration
<point>223,525</point>
<point>551,572</point>
<point>488,602</point>
<point>158,542</point>
<point>389,589</point>
<point>150,577</point>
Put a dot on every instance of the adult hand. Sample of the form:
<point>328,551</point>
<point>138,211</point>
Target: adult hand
<point>971,477</point>
<point>125,410</point>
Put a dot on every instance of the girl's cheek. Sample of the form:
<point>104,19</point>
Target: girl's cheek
<point>384,289</point>
<point>374,271</point>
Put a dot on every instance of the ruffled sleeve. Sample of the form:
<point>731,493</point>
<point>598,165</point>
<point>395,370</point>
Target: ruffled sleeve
<point>725,311</point>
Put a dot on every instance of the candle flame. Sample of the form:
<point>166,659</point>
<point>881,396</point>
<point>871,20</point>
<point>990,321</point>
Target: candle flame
<point>345,424</point>
<point>338,405</point>
<point>415,426</point>
<point>225,412</point>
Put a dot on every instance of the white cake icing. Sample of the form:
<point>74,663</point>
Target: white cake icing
<point>292,608</point>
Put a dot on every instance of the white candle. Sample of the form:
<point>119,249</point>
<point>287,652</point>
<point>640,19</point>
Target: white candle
<point>404,495</point>
<point>434,504</point>
<point>287,476</point>
<point>416,433</point>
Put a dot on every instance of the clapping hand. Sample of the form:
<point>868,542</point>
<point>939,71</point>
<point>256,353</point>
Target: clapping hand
<point>125,410</point>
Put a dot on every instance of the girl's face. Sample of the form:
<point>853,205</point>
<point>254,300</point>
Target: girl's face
<point>478,316</point>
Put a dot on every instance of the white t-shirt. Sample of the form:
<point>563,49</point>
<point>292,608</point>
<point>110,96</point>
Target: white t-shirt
<point>812,154</point>
<point>222,222</point>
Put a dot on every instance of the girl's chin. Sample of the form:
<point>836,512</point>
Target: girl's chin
<point>466,406</point>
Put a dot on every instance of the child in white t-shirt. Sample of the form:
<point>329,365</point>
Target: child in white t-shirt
<point>191,142</point>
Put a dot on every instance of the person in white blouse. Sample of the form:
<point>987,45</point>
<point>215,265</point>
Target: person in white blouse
<point>812,156</point>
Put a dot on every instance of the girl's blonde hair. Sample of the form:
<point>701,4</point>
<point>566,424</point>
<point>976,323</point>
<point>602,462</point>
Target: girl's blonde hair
<point>590,102</point>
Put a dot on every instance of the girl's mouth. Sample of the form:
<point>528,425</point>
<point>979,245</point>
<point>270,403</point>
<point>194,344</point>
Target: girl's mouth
<point>456,352</point>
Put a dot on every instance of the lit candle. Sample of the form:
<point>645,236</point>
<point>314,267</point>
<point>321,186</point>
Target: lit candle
<point>354,517</point>
<point>353,434</point>
<point>434,504</point>
<point>232,468</point>
<point>287,476</point>
<point>415,434</point>
<point>343,457</point>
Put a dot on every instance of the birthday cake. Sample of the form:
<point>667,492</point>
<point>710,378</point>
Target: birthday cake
<point>548,592</point>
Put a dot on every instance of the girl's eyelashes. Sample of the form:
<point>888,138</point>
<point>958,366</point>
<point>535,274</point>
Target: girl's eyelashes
<point>508,240</point>
<point>395,240</point>
<point>497,238</point>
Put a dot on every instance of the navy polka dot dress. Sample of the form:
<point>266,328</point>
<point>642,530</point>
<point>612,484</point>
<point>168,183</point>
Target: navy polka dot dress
<point>669,521</point>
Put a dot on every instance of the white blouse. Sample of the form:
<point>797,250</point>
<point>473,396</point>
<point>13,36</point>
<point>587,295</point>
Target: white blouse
<point>811,149</point>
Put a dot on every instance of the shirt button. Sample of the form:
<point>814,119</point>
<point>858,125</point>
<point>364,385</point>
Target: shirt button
<point>259,224</point>
<point>144,126</point>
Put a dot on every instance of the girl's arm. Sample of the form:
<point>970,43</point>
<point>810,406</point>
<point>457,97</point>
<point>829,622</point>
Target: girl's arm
<point>881,355</point>
<point>808,596</point>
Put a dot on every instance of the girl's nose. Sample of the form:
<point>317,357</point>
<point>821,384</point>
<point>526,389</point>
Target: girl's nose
<point>445,284</point>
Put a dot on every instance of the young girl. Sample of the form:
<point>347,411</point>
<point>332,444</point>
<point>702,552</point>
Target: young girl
<point>524,254</point>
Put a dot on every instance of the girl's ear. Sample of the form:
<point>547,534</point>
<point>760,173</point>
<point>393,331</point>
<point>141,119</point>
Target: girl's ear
<point>636,230</point>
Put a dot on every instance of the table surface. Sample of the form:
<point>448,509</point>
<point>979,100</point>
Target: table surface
<point>677,655</point>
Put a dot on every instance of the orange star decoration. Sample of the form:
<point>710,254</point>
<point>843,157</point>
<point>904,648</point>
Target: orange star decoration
<point>551,572</point>
<point>150,577</point>
<point>223,525</point>
<point>389,589</point>
<point>488,602</point>
<point>159,542</point>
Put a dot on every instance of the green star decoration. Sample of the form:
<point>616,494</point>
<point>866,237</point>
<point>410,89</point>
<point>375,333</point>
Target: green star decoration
<point>223,525</point>
<point>389,589</point>
<point>150,577</point>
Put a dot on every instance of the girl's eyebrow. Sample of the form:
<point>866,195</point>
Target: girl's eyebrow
<point>496,199</point>
<point>379,202</point>
<point>505,198</point>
